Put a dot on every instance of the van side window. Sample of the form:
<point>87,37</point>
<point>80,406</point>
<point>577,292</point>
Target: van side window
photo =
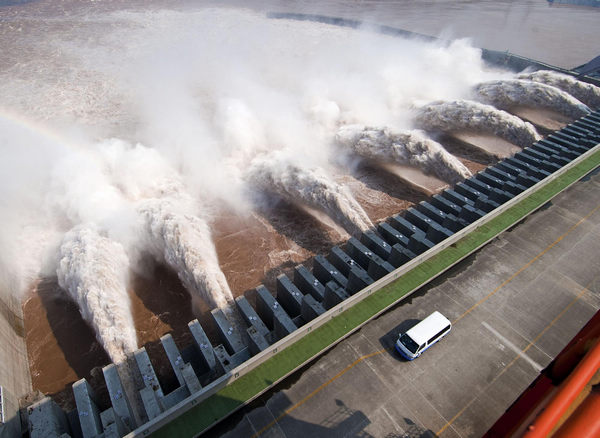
<point>438,334</point>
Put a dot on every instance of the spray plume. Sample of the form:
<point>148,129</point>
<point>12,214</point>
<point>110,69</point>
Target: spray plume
<point>184,242</point>
<point>459,115</point>
<point>586,93</point>
<point>172,228</point>
<point>406,147</point>
<point>506,94</point>
<point>94,271</point>
<point>310,186</point>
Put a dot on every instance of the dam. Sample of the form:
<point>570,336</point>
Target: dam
<point>311,293</point>
<point>453,175</point>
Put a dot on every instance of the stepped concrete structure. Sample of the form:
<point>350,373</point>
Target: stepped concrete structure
<point>334,277</point>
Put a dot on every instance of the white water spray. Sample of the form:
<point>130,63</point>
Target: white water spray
<point>586,93</point>
<point>507,94</point>
<point>412,148</point>
<point>172,227</point>
<point>94,271</point>
<point>467,115</point>
<point>184,242</point>
<point>310,186</point>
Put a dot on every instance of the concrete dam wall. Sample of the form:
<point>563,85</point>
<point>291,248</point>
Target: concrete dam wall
<point>15,380</point>
<point>136,395</point>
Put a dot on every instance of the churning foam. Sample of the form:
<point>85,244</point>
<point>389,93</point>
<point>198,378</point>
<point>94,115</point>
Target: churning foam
<point>172,227</point>
<point>461,115</point>
<point>308,185</point>
<point>586,93</point>
<point>506,94</point>
<point>184,242</point>
<point>94,271</point>
<point>412,148</point>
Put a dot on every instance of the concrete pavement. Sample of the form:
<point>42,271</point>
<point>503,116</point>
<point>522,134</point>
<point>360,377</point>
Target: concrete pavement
<point>515,304</point>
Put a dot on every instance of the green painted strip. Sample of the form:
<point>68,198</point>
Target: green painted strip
<point>248,386</point>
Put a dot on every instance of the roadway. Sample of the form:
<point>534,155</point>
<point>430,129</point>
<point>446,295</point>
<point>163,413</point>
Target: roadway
<point>514,304</point>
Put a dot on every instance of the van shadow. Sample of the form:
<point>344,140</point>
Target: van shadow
<point>388,340</point>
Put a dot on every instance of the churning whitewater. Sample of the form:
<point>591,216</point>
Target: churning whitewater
<point>412,148</point>
<point>310,186</point>
<point>172,227</point>
<point>94,270</point>
<point>184,242</point>
<point>586,93</point>
<point>459,115</point>
<point>507,94</point>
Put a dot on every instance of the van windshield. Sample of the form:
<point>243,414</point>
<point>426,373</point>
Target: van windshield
<point>408,342</point>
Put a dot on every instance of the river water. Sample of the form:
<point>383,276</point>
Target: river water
<point>43,82</point>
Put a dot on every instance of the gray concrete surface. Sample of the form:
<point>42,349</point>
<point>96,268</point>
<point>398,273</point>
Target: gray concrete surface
<point>15,379</point>
<point>515,304</point>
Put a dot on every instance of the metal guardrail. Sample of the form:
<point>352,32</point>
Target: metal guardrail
<point>302,331</point>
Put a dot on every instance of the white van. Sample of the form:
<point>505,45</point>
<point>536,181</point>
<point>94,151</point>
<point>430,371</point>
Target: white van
<point>423,335</point>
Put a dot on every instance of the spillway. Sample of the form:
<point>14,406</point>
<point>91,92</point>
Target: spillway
<point>466,115</point>
<point>589,94</point>
<point>310,293</point>
<point>94,270</point>
<point>184,242</point>
<point>506,94</point>
<point>308,185</point>
<point>408,147</point>
<point>172,99</point>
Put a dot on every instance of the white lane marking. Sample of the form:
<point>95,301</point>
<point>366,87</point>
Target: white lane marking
<point>513,347</point>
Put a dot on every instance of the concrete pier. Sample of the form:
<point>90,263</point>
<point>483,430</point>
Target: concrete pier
<point>391,234</point>
<point>112,424</point>
<point>308,283</point>
<point>343,262</point>
<point>325,272</point>
<point>289,295</point>
<point>118,397</point>
<point>311,308</point>
<point>468,191</point>
<point>456,198</point>
<point>174,356</point>
<point>270,310</point>
<point>231,337</point>
<point>400,255</point>
<point>485,204</point>
<point>87,409</point>
<point>334,294</point>
<point>376,267</point>
<point>418,243</point>
<point>477,184</point>
<point>513,188</point>
<point>376,244</point>
<point>433,213</point>
<point>223,358</point>
<point>379,268</point>
<point>437,232</point>
<point>470,214</point>
<point>147,371</point>
<point>203,346</point>
<point>404,226</point>
<point>257,342</point>
<point>358,280</point>
<point>445,205</point>
<point>250,316</point>
<point>494,172</point>
<point>47,420</point>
